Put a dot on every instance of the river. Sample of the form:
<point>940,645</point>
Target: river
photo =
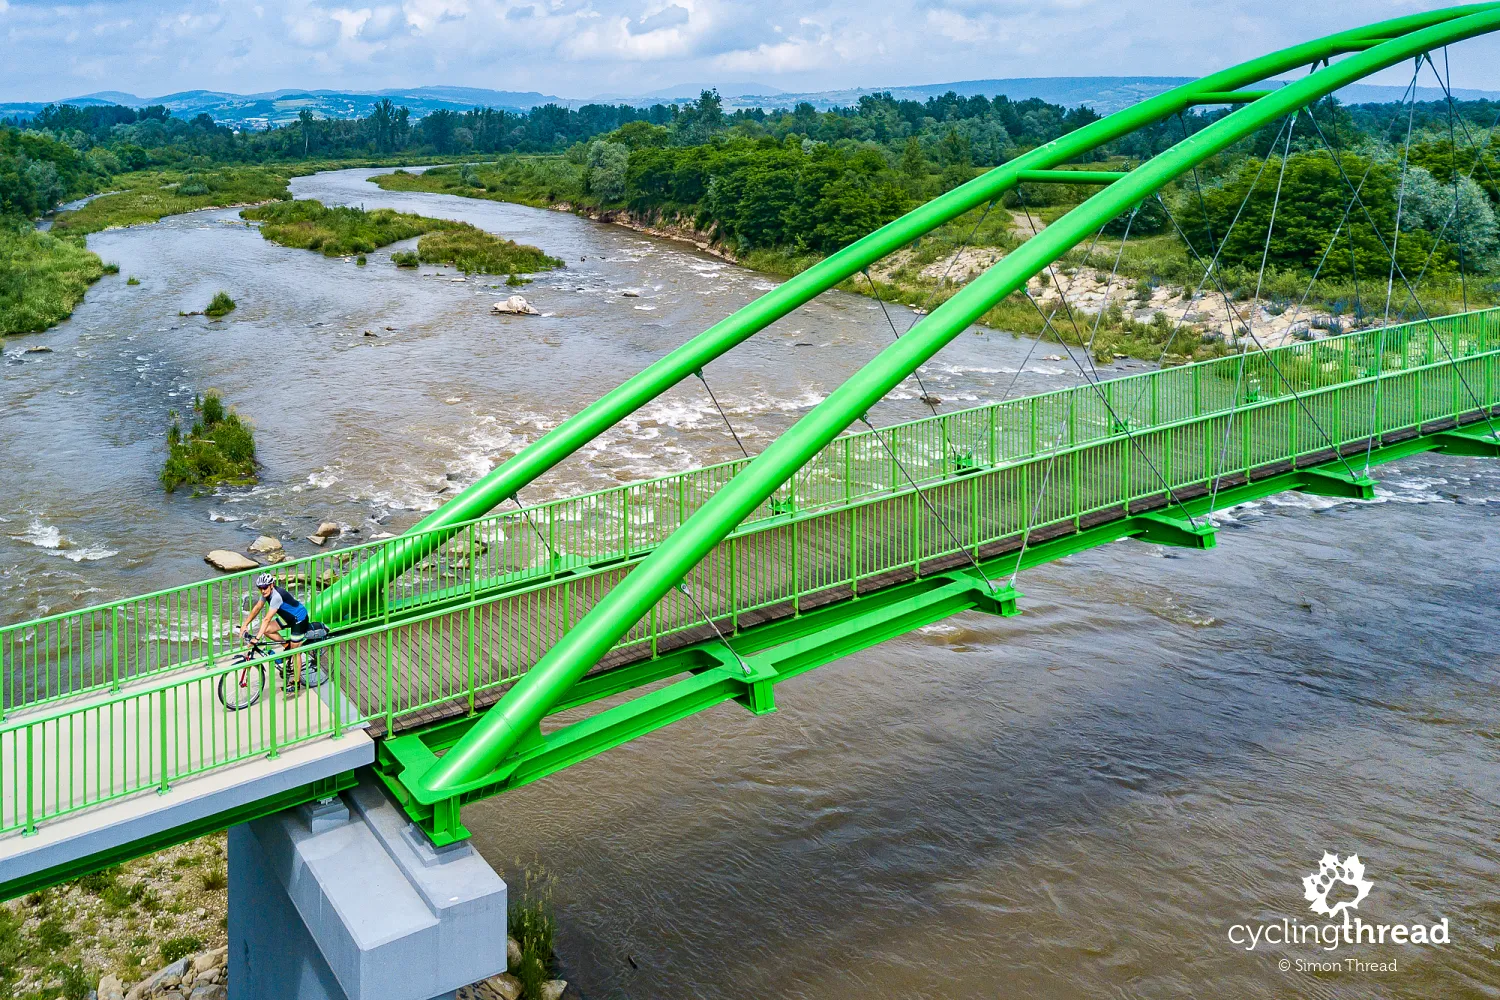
<point>1080,801</point>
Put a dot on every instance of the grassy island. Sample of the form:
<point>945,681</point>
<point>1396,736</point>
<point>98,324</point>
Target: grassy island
<point>42,278</point>
<point>218,448</point>
<point>340,230</point>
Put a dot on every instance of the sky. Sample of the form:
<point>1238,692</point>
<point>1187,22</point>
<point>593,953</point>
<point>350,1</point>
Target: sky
<point>582,48</point>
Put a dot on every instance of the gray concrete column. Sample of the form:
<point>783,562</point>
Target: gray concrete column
<point>347,900</point>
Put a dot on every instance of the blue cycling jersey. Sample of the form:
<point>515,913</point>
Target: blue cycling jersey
<point>283,605</point>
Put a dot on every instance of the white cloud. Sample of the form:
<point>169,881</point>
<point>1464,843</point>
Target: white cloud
<point>578,48</point>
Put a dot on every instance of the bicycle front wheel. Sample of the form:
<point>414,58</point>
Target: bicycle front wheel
<point>242,688</point>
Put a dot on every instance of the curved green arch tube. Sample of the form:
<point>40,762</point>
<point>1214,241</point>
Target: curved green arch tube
<point>524,706</point>
<point>353,591</point>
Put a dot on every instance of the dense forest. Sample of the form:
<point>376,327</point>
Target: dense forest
<point>801,182</point>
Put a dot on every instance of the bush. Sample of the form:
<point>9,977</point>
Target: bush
<point>405,258</point>
<point>534,927</point>
<point>180,947</point>
<point>221,305</point>
<point>473,250</point>
<point>218,448</point>
<point>214,880</point>
<point>76,983</point>
<point>97,882</point>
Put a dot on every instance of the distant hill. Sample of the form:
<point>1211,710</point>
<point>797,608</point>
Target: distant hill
<point>276,107</point>
<point>1104,94</point>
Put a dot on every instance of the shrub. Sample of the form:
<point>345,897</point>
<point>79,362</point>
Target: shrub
<point>222,305</point>
<point>180,947</point>
<point>52,935</point>
<point>533,926</point>
<point>97,882</point>
<point>132,280</point>
<point>405,258</point>
<point>473,250</point>
<point>76,983</point>
<point>214,880</point>
<point>218,448</point>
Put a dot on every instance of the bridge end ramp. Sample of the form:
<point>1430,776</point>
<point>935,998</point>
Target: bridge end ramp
<point>107,835</point>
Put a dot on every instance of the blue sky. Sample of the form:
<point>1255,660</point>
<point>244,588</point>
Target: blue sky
<point>579,48</point>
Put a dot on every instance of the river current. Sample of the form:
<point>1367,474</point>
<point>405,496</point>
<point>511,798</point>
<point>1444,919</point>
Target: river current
<point>1084,800</point>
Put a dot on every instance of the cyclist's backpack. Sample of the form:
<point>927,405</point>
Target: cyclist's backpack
<point>312,671</point>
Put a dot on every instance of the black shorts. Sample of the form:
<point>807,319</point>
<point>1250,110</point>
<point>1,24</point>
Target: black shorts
<point>298,629</point>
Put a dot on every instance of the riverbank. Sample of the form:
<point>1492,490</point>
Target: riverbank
<point>921,277</point>
<point>157,927</point>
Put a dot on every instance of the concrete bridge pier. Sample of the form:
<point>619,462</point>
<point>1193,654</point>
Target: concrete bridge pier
<point>347,900</point>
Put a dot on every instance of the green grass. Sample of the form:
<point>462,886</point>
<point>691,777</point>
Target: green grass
<point>149,195</point>
<point>180,947</point>
<point>538,181</point>
<point>405,258</point>
<point>42,279</point>
<point>340,230</point>
<point>221,305</point>
<point>475,251</point>
<point>219,447</point>
<point>533,925</point>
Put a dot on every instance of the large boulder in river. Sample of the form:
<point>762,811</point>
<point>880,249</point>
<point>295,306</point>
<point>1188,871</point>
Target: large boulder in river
<point>515,305</point>
<point>229,562</point>
<point>264,544</point>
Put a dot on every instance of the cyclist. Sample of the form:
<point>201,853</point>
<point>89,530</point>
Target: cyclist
<point>282,608</point>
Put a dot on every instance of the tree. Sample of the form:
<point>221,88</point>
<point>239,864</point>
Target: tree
<point>606,169</point>
<point>305,120</point>
<point>1469,230</point>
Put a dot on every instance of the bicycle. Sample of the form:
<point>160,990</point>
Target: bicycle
<point>241,688</point>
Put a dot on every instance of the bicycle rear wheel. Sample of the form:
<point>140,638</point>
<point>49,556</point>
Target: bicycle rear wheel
<point>242,688</point>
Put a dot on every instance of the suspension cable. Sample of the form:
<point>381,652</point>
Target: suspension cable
<point>1447,84</point>
<point>715,399</point>
<point>1421,309</point>
<point>526,513</point>
<point>927,397</point>
<point>864,419</point>
<point>745,667</point>
<point>1271,358</point>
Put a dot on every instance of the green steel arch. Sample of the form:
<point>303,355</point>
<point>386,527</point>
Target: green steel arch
<point>475,758</point>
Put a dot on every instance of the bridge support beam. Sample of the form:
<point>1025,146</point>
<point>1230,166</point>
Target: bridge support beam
<point>347,900</point>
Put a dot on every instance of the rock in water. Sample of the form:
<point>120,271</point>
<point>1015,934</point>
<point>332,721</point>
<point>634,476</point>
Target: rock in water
<point>229,562</point>
<point>631,293</point>
<point>516,305</point>
<point>265,543</point>
<point>553,989</point>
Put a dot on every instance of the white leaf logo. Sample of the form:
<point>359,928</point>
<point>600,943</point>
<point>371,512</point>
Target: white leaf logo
<point>1331,871</point>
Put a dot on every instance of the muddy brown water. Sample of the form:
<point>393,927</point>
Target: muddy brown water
<point>1081,801</point>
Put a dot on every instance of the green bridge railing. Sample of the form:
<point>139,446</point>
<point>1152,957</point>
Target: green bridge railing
<point>476,615</point>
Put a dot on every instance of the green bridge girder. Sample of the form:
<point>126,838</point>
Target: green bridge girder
<point>512,726</point>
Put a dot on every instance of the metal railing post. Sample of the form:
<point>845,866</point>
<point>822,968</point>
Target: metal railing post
<point>162,722</point>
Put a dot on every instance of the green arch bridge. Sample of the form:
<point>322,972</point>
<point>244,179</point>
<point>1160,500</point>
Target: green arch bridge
<point>459,644</point>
